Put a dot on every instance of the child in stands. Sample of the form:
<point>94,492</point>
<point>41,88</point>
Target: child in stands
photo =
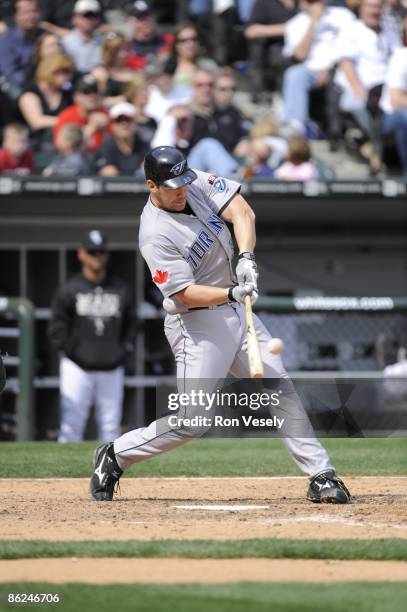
<point>16,156</point>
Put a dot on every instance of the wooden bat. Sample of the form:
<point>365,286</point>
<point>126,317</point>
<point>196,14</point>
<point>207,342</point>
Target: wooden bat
<point>253,349</point>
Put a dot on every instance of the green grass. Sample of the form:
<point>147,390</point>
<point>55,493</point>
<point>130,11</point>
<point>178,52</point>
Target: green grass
<point>248,457</point>
<point>378,550</point>
<point>237,597</point>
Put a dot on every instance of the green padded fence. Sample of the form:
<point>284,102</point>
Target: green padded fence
<point>23,311</point>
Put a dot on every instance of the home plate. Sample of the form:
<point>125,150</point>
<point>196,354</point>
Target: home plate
<point>215,507</point>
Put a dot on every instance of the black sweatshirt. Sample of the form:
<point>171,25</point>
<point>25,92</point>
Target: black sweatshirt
<point>93,323</point>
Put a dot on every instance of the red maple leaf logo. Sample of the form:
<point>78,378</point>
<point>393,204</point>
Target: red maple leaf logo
<point>160,277</point>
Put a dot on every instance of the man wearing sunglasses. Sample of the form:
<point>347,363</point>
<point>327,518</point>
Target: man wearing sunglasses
<point>147,43</point>
<point>84,44</point>
<point>92,325</point>
<point>233,126</point>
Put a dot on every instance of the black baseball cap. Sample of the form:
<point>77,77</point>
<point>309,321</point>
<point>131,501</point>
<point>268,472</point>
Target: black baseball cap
<point>94,240</point>
<point>86,84</point>
<point>141,9</point>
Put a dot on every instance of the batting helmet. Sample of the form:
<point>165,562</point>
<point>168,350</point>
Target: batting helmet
<point>168,166</point>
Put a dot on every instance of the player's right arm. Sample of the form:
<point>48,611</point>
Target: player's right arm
<point>196,296</point>
<point>201,296</point>
<point>175,279</point>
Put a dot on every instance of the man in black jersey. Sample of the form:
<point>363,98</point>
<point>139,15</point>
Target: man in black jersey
<point>92,325</point>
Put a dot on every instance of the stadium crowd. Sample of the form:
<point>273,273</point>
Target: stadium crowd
<point>242,86</point>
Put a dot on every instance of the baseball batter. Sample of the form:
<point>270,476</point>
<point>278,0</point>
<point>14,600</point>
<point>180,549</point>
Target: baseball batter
<point>189,251</point>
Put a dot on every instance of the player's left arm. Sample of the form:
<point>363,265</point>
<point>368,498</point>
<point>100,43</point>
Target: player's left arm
<point>240,214</point>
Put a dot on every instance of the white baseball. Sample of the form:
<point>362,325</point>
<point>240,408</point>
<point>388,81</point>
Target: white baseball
<point>275,346</point>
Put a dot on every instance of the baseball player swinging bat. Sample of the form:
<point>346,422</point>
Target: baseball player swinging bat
<point>186,213</point>
<point>253,349</point>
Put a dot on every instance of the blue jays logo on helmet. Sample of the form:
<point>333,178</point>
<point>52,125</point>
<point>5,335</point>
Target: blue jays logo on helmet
<point>178,168</point>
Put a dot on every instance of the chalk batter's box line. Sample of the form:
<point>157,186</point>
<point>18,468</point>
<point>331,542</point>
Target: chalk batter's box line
<point>201,478</point>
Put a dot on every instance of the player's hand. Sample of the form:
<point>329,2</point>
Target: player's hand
<point>246,270</point>
<point>240,292</point>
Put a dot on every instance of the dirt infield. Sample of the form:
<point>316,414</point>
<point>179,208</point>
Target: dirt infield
<point>207,571</point>
<point>148,509</point>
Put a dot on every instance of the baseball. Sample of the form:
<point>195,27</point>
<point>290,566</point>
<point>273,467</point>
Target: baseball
<point>275,346</point>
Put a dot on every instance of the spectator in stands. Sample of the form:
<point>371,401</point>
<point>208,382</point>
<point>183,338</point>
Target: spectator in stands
<point>200,13</point>
<point>394,103</point>
<point>92,325</point>
<point>209,120</point>
<point>42,102</point>
<point>392,19</point>
<point>57,16</point>
<point>136,93</point>
<point>258,164</point>
<point>186,58</point>
<point>268,19</point>
<point>267,129</point>
<point>298,166</point>
<point>163,94</point>
<point>220,26</point>
<point>123,152</point>
<point>203,105</point>
<point>233,126</point>
<point>147,43</point>
<point>221,121</point>
<point>311,40</point>
<point>265,33</point>
<point>208,154</point>
<point>17,42</point>
<point>15,155</point>
<point>6,14</point>
<point>84,44</point>
<point>113,73</point>
<point>364,50</point>
<point>46,44</point>
<point>70,160</point>
<point>88,112</point>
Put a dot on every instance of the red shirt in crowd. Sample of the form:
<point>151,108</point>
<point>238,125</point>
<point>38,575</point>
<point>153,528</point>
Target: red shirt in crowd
<point>8,163</point>
<point>140,54</point>
<point>72,114</point>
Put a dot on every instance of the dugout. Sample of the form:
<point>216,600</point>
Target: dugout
<point>315,239</point>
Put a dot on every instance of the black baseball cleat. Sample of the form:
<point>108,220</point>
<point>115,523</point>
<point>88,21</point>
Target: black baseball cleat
<point>106,473</point>
<point>327,488</point>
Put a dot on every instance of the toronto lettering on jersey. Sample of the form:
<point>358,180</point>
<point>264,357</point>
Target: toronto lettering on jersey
<point>215,224</point>
<point>199,248</point>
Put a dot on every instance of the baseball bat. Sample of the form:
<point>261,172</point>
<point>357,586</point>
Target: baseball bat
<point>253,349</point>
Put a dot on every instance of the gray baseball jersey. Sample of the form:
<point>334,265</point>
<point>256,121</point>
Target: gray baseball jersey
<point>183,249</point>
